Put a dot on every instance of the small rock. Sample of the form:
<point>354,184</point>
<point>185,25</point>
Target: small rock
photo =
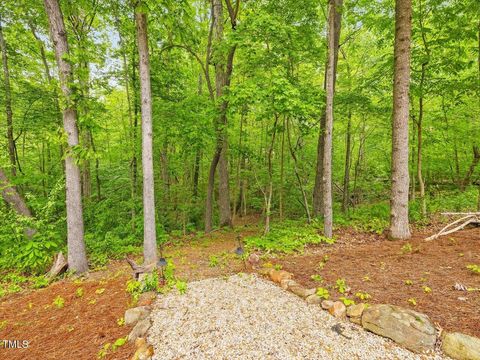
<point>462,298</point>
<point>135,314</point>
<point>461,347</point>
<point>139,330</point>
<point>299,290</point>
<point>286,283</point>
<point>327,304</point>
<point>355,310</point>
<point>266,271</point>
<point>338,309</point>
<point>313,299</point>
<point>406,327</point>
<point>147,298</point>
<point>144,351</point>
<point>279,275</point>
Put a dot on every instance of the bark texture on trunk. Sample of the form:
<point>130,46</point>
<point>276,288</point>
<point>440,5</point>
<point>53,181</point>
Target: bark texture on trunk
<point>333,36</point>
<point>15,200</point>
<point>77,259</point>
<point>318,193</point>
<point>149,231</point>
<point>8,104</point>
<point>399,227</point>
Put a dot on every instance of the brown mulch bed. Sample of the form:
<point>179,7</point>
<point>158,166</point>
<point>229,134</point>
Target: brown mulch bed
<point>78,330</point>
<point>372,264</point>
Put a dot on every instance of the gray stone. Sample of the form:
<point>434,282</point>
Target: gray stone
<point>313,299</point>
<point>461,347</point>
<point>299,290</point>
<point>327,304</point>
<point>356,310</point>
<point>286,283</point>
<point>406,327</point>
<point>139,330</point>
<point>135,314</point>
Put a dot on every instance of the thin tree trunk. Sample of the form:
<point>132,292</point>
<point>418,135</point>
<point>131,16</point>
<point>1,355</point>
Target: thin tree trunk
<point>8,104</point>
<point>297,174</point>
<point>149,231</point>
<point>399,226</point>
<point>269,191</point>
<point>421,183</point>
<point>77,259</point>
<point>318,192</point>
<point>334,27</point>
<point>348,155</point>
<point>282,171</point>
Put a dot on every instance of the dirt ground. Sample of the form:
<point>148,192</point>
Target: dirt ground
<point>371,264</point>
<point>367,262</point>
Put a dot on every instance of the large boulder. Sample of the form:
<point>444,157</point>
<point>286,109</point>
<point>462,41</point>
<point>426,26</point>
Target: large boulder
<point>135,314</point>
<point>461,347</point>
<point>406,327</point>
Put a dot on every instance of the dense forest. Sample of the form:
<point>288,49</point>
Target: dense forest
<point>127,122</point>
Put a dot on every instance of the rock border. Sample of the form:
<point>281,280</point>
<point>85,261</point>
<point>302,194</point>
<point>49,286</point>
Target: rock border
<point>422,337</point>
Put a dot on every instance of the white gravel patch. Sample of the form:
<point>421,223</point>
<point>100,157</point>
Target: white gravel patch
<point>245,317</point>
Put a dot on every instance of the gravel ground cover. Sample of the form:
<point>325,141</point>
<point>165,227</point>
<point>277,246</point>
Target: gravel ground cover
<point>246,317</point>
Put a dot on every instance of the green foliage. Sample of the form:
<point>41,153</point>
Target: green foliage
<point>407,248</point>
<point>323,293</point>
<point>347,301</point>
<point>475,269</point>
<point>341,286</point>
<point>287,237</point>
<point>317,278</point>
<point>59,302</point>
<point>363,296</point>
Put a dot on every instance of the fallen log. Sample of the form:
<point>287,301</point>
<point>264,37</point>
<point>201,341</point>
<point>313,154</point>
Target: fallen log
<point>459,224</point>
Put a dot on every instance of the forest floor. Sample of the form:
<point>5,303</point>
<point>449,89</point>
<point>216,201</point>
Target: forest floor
<point>393,272</point>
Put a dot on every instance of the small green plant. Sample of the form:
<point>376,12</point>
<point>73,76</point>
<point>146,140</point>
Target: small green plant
<point>341,286</point>
<point>59,302</point>
<point>317,278</point>
<point>79,292</point>
<point>363,296</point>
<point>366,278</point>
<point>323,293</point>
<point>181,286</point>
<point>213,261</point>
<point>103,351</point>
<point>134,288</point>
<point>347,301</point>
<point>408,282</point>
<point>150,283</point>
<point>407,248</point>
<point>322,263</point>
<point>426,289</point>
<point>100,291</point>
<point>121,321</point>
<point>412,301</point>
<point>119,342</point>
<point>475,269</point>
<point>278,267</point>
<point>40,282</point>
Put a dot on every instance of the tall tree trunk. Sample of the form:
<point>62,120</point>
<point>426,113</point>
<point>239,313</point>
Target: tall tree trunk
<point>333,29</point>
<point>282,171</point>
<point>269,191</point>
<point>132,121</point>
<point>223,72</point>
<point>8,104</point>
<point>149,231</point>
<point>421,183</point>
<point>399,227</point>
<point>335,20</point>
<point>348,156</point>
<point>77,259</point>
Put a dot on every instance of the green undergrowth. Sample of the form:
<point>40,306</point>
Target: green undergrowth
<point>288,236</point>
